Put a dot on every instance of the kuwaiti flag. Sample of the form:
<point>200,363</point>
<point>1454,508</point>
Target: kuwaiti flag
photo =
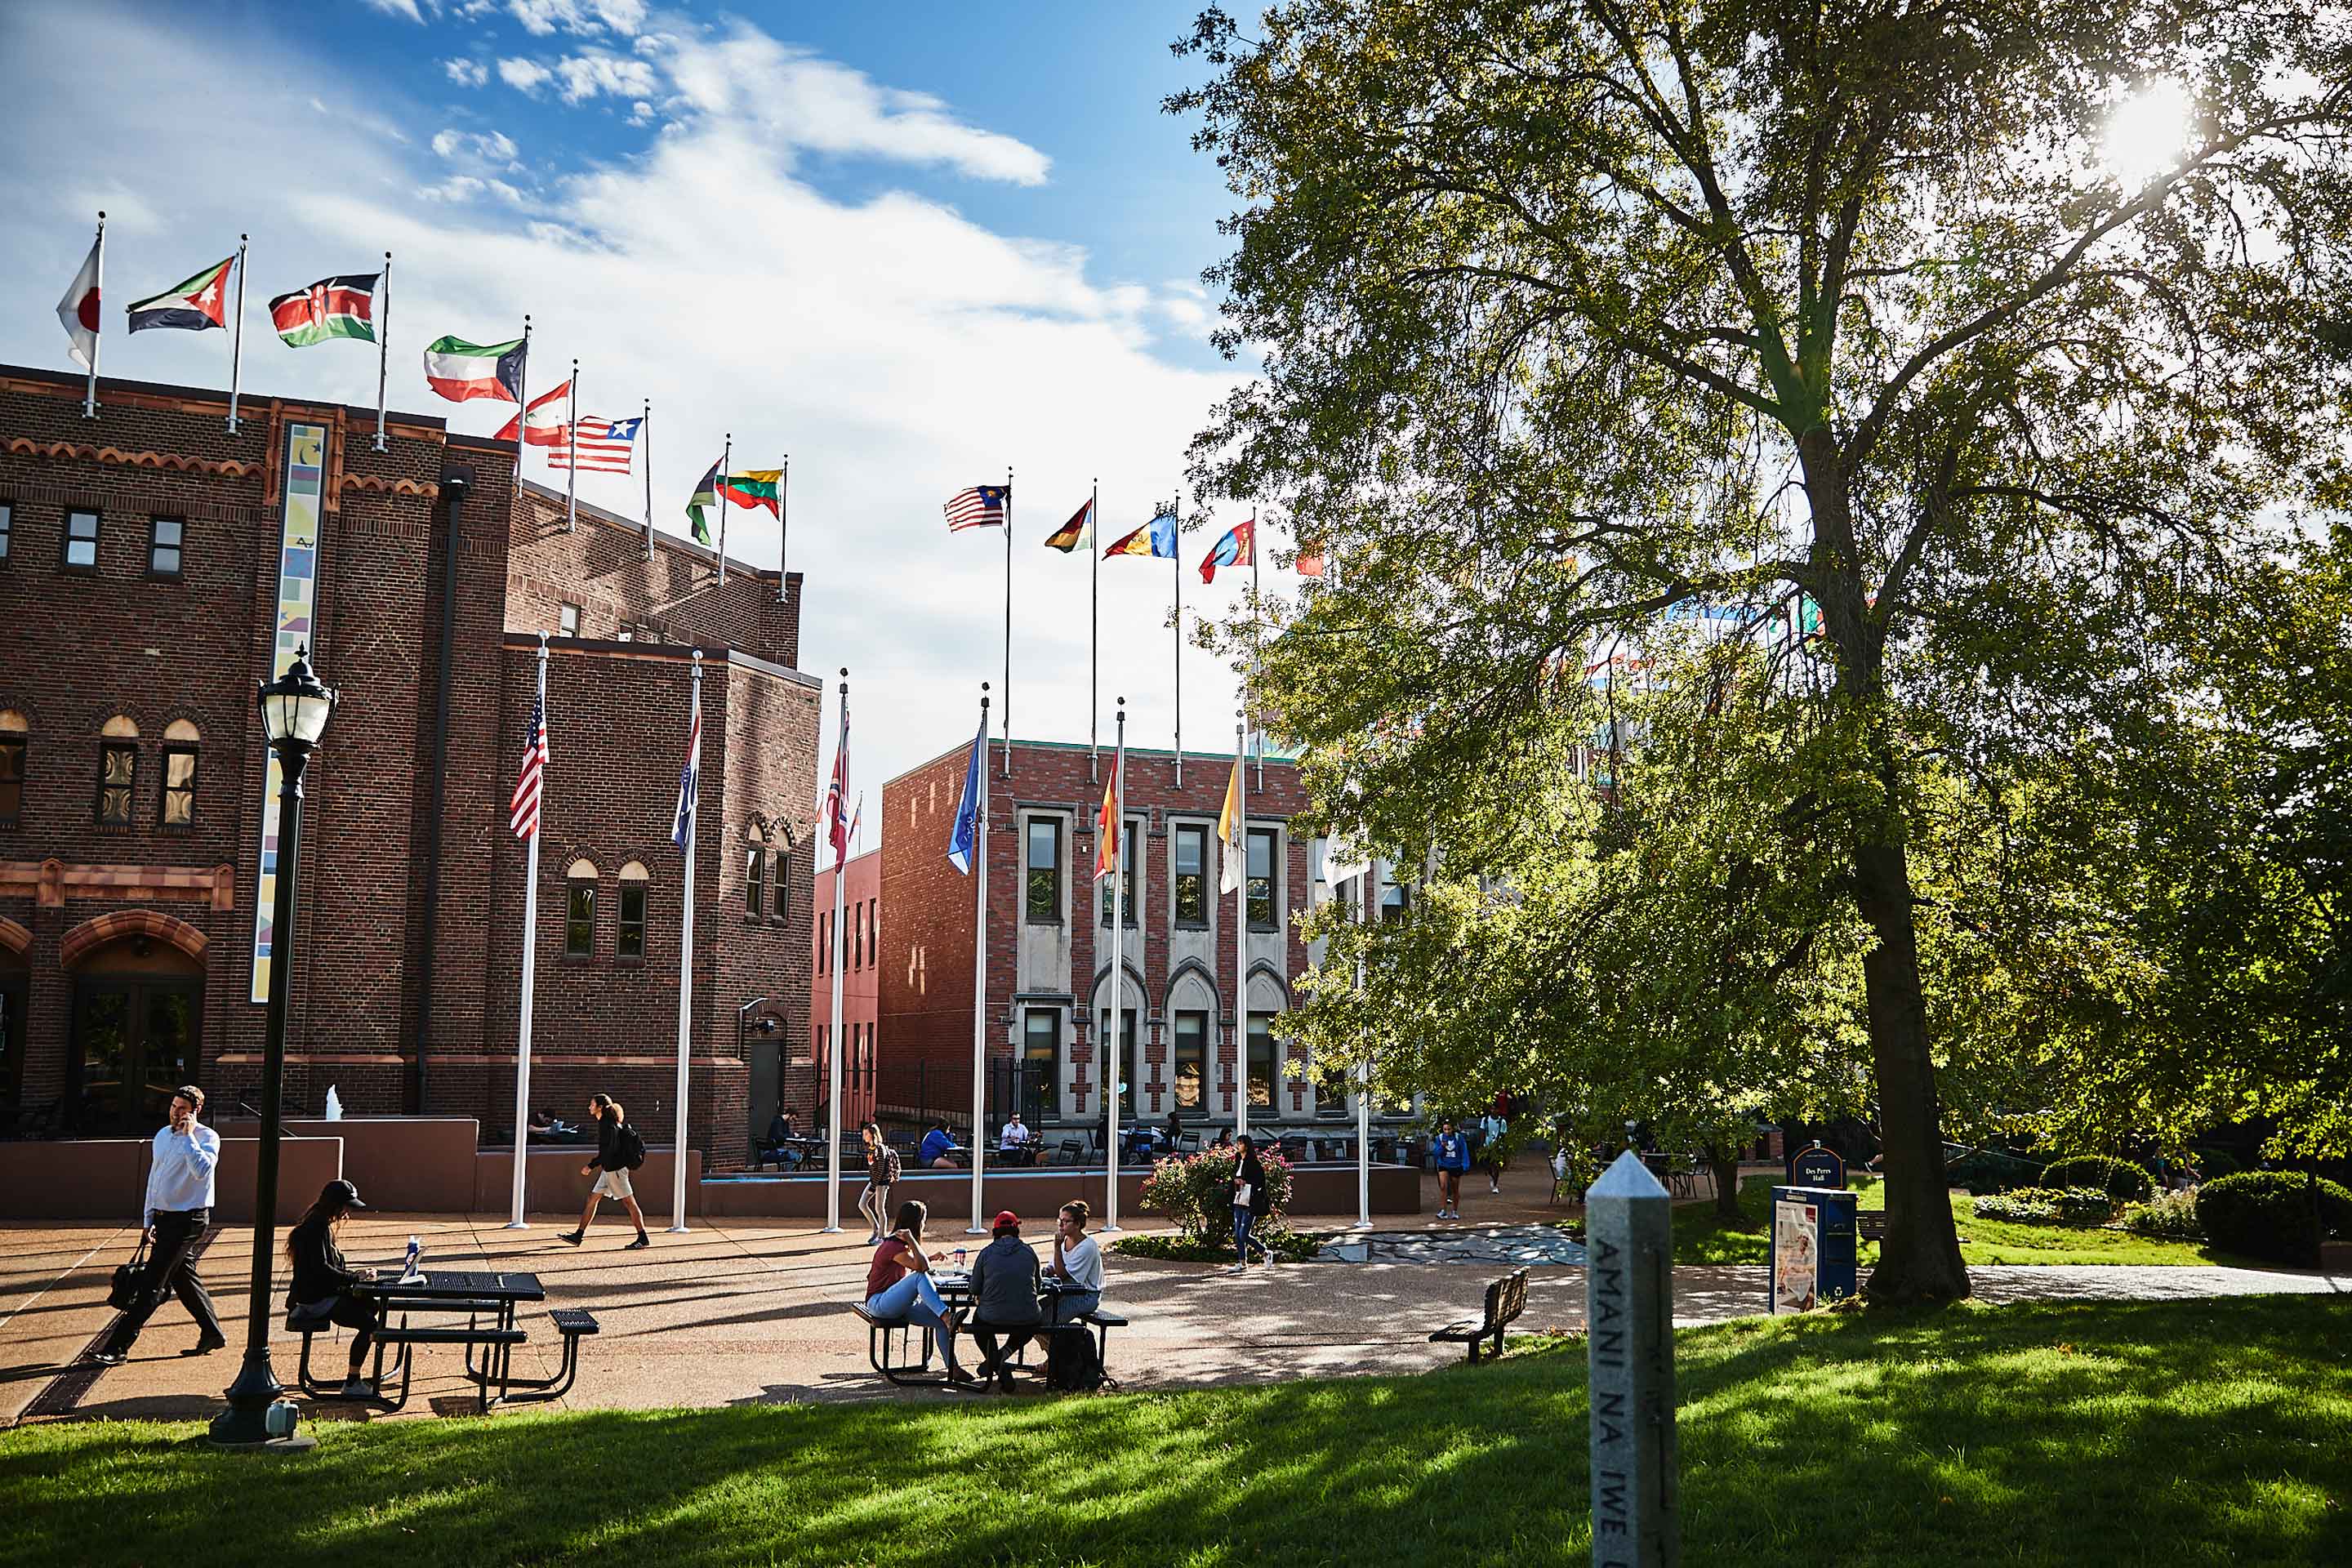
<point>458,370</point>
<point>1237,547</point>
<point>1157,537</point>
<point>193,304</point>
<point>341,307</point>
<point>78,311</point>
<point>542,423</point>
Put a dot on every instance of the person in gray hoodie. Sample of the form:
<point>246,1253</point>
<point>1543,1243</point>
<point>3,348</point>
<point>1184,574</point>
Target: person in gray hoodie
<point>1004,1294</point>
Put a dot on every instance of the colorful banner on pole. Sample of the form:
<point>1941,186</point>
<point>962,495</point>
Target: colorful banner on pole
<point>297,600</point>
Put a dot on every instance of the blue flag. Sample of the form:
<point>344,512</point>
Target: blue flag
<point>690,782</point>
<point>967,819</point>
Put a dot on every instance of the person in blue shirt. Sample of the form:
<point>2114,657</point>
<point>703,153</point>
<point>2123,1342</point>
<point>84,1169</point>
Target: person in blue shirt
<point>1453,1152</point>
<point>178,1207</point>
<point>933,1155</point>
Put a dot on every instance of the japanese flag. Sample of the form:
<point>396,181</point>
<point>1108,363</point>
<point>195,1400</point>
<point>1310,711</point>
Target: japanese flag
<point>78,311</point>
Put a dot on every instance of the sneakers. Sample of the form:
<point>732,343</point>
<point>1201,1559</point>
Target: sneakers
<point>358,1388</point>
<point>959,1375</point>
<point>642,1240</point>
<point>573,1237</point>
<point>206,1345</point>
<point>106,1358</point>
<point>1238,1269</point>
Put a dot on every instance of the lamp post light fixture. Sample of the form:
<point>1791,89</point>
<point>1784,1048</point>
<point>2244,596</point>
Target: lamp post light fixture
<point>295,708</point>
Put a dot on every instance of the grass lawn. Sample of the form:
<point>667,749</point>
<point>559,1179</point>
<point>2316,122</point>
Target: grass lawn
<point>1701,1237</point>
<point>2085,1434</point>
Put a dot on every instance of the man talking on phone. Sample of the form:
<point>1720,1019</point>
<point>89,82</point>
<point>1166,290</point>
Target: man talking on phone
<point>179,1206</point>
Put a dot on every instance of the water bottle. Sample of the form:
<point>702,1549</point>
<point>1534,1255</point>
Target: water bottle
<point>408,1268</point>
<point>960,1256</point>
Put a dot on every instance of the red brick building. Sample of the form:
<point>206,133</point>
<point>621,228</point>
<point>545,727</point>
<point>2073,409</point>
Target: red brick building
<point>1048,996</point>
<point>153,567</point>
<point>859,959</point>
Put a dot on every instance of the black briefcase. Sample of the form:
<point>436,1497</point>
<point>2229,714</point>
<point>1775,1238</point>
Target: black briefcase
<point>129,1278</point>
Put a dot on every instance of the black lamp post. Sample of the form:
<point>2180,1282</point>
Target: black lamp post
<point>295,708</point>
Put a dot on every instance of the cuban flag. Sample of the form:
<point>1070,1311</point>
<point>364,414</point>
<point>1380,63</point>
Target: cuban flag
<point>690,780</point>
<point>965,837</point>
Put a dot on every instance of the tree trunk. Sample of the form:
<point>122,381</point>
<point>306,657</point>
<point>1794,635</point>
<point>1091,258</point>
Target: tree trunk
<point>1723,1159</point>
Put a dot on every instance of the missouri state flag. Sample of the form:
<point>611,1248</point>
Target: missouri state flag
<point>1237,547</point>
<point>338,307</point>
<point>193,304</point>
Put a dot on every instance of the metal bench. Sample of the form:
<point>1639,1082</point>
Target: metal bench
<point>309,1328</point>
<point>1870,1225</point>
<point>894,1368</point>
<point>496,1343</point>
<point>1507,1298</point>
<point>574,1324</point>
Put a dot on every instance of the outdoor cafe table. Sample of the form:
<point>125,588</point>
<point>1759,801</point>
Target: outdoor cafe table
<point>508,1290</point>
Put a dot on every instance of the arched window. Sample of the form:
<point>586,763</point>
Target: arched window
<point>118,772</point>
<point>630,943</point>
<point>15,742</point>
<point>181,740</point>
<point>755,872</point>
<point>580,911</point>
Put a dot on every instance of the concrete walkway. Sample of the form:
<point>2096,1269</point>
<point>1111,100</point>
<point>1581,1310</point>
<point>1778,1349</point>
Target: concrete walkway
<point>737,1312</point>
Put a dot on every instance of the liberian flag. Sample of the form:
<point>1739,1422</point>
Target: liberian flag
<point>691,780</point>
<point>458,370</point>
<point>542,423</point>
<point>341,307</point>
<point>758,488</point>
<point>193,304</point>
<point>78,311</point>
<point>1079,533</point>
<point>1157,537</point>
<point>1237,547</point>
<point>602,445</point>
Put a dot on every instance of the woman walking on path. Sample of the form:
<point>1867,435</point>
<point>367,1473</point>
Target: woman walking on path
<point>881,1174</point>
<point>613,1173</point>
<point>321,1292</point>
<point>1453,1152</point>
<point>1250,1201</point>
<point>898,1283</point>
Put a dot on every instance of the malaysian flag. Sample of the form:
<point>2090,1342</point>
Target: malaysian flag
<point>981,506</point>
<point>690,780</point>
<point>525,805</point>
<point>602,445</point>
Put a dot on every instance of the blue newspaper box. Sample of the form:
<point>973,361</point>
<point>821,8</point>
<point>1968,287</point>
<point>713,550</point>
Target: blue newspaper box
<point>1813,1247</point>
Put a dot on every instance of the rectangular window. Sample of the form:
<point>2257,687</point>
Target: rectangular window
<point>1191,1059</point>
<point>1126,877</point>
<point>874,928</point>
<point>823,942</point>
<point>1261,1060</point>
<point>118,782</point>
<point>580,921</point>
<point>1192,875</point>
<point>755,871</point>
<point>1395,905</point>
<point>567,621</point>
<point>776,904</point>
<point>1040,1062</point>
<point>179,787</point>
<point>1124,1065</point>
<point>164,537</point>
<point>1045,868</point>
<point>81,541</point>
<point>8,523</point>
<point>12,778</point>
<point>1261,878</point>
<point>856,936</point>
<point>632,942</point>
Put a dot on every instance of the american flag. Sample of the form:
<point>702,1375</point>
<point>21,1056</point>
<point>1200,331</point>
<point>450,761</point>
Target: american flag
<point>525,805</point>
<point>602,445</point>
<point>981,506</point>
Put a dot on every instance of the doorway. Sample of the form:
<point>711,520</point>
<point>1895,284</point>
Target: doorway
<point>137,1022</point>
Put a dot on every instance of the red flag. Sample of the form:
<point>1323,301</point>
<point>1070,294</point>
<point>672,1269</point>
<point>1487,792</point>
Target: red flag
<point>543,423</point>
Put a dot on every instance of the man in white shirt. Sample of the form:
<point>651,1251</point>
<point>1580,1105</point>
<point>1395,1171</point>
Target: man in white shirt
<point>1014,1138</point>
<point>178,1207</point>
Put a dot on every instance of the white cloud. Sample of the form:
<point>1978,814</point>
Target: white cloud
<point>524,76</point>
<point>476,146</point>
<point>405,9</point>
<point>456,189</point>
<point>641,112</point>
<point>593,71</point>
<point>586,18</point>
<point>465,73</point>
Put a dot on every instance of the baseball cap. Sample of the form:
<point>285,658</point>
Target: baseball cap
<point>1005,1220</point>
<point>344,1192</point>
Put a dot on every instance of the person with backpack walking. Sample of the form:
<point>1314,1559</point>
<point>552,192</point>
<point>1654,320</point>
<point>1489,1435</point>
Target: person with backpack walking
<point>1251,1201</point>
<point>1453,1153</point>
<point>881,1175</point>
<point>619,1151</point>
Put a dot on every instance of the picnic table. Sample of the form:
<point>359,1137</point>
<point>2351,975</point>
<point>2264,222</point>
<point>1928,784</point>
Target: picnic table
<point>488,1300</point>
<point>954,1286</point>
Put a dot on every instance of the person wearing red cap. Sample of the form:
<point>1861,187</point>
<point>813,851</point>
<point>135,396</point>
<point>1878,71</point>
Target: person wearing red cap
<point>1005,1293</point>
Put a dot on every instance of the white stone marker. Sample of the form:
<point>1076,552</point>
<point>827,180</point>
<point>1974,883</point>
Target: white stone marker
<point>1630,1338</point>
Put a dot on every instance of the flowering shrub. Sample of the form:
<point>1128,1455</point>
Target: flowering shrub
<point>2169,1217</point>
<point>1196,1191</point>
<point>2048,1206</point>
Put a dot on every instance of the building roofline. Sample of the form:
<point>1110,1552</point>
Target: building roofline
<point>637,525</point>
<point>1284,759</point>
<point>665,652</point>
<point>73,382</point>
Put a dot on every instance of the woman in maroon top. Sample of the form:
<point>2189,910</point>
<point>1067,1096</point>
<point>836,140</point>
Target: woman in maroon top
<point>898,1284</point>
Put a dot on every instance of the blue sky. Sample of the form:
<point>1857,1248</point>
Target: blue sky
<point>908,245</point>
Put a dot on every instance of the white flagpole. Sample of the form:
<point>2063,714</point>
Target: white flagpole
<point>980,968</point>
<point>1176,531</point>
<point>686,966</point>
<point>1114,1037</point>
<point>1008,620</point>
<point>1241,933</point>
<point>96,338</point>
<point>383,353</point>
<point>522,399</point>
<point>784,531</point>
<point>529,971</point>
<point>572,450</point>
<point>1259,744</point>
<point>726,472</point>
<point>1363,1082</point>
<point>1094,638</point>
<point>646,439</point>
<point>236,337</point>
<point>832,956</point>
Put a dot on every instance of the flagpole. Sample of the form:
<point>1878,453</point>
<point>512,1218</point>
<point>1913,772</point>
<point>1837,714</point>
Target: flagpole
<point>1258,746</point>
<point>784,528</point>
<point>1363,1076</point>
<point>1176,532</point>
<point>1008,620</point>
<point>645,435</point>
<point>833,1095</point>
<point>686,964</point>
<point>237,338</point>
<point>1094,638</point>
<point>1241,932</point>
<point>572,448</point>
<point>382,355</point>
<point>98,337</point>
<point>726,472</point>
<point>980,971</point>
<point>1114,1038</point>
<point>522,398</point>
<point>529,968</point>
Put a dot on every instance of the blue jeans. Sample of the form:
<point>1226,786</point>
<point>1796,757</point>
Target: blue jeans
<point>1243,1219</point>
<point>915,1297</point>
<point>1072,1305</point>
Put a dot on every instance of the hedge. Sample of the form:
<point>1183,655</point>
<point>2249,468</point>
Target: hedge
<point>2267,1214</point>
<point>2119,1179</point>
<point>1984,1171</point>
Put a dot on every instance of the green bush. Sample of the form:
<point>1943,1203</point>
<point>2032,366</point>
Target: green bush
<point>1984,1171</point>
<point>2267,1214</point>
<point>2119,1179</point>
<point>2167,1216</point>
<point>2048,1206</point>
<point>2212,1162</point>
<point>1196,1191</point>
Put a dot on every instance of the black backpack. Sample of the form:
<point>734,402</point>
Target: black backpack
<point>1073,1364</point>
<point>632,1147</point>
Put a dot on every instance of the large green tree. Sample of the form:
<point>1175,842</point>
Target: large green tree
<point>2011,334</point>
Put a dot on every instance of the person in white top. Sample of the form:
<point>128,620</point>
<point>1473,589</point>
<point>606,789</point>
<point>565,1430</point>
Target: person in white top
<point>1014,1138</point>
<point>177,1210</point>
<point>1077,1264</point>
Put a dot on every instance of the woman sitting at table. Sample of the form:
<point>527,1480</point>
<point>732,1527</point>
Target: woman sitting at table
<point>1078,1265</point>
<point>898,1285</point>
<point>321,1293</point>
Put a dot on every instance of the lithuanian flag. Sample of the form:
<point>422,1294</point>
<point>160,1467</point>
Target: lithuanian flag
<point>759,487</point>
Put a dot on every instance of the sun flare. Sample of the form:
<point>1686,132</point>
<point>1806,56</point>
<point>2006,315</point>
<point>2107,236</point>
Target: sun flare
<point>2146,133</point>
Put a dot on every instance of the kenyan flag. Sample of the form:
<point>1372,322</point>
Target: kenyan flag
<point>330,308</point>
